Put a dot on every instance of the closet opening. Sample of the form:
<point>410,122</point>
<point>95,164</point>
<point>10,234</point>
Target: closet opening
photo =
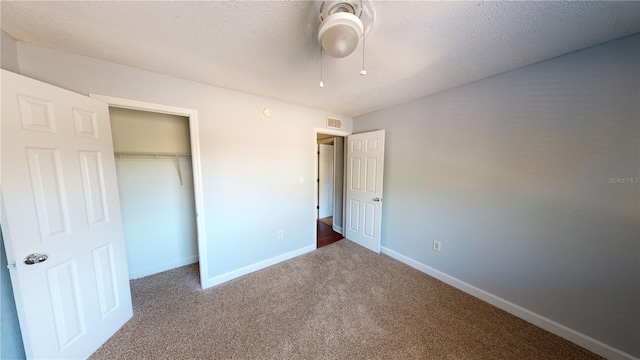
<point>156,188</point>
<point>330,189</point>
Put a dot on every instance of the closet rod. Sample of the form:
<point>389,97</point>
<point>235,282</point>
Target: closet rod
<point>150,155</point>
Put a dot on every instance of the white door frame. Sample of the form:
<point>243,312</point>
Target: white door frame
<point>194,135</point>
<point>315,159</point>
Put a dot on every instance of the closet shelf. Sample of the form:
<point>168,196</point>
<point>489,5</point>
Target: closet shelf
<point>153,156</point>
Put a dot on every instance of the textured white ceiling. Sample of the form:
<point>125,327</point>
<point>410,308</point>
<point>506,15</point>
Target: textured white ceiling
<point>269,48</point>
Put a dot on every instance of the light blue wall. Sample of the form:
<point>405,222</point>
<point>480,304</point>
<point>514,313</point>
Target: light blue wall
<point>8,53</point>
<point>158,214</point>
<point>517,176</point>
<point>11,340</point>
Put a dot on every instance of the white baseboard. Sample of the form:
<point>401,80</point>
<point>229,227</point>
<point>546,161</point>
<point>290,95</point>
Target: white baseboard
<point>257,266</point>
<point>163,267</point>
<point>337,229</point>
<point>578,338</point>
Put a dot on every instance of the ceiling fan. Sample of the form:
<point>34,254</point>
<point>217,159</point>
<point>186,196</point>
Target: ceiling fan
<point>343,25</point>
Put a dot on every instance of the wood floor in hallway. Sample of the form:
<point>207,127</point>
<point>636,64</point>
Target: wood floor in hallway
<point>326,235</point>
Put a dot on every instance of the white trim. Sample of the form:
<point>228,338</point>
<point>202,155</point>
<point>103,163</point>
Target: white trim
<point>143,105</point>
<point>257,266</point>
<point>330,132</point>
<point>578,338</point>
<point>164,267</point>
<point>337,229</point>
<point>194,134</point>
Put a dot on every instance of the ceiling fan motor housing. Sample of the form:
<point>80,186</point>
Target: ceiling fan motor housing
<point>342,26</point>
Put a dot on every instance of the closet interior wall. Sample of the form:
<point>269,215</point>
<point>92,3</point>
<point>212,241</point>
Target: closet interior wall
<point>155,182</point>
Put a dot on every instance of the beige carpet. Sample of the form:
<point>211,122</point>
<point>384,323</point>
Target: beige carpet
<point>338,302</point>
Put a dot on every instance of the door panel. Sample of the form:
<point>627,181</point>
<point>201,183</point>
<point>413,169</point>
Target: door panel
<point>369,221</point>
<point>370,177</point>
<point>355,173</point>
<point>365,156</point>
<point>48,189</point>
<point>60,199</point>
<point>36,114</point>
<point>93,185</point>
<point>354,214</point>
<point>66,301</point>
<point>106,280</point>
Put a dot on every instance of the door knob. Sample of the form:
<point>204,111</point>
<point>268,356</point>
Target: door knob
<point>376,199</point>
<point>35,258</point>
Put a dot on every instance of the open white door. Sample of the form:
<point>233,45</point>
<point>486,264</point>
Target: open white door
<point>365,166</point>
<point>60,202</point>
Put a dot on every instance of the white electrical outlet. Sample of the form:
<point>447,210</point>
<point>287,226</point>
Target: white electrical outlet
<point>280,234</point>
<point>436,245</point>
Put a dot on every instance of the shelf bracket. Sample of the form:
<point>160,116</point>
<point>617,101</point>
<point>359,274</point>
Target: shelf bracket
<point>179,169</point>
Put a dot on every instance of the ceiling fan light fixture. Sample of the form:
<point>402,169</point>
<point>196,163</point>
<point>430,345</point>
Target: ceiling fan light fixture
<point>340,34</point>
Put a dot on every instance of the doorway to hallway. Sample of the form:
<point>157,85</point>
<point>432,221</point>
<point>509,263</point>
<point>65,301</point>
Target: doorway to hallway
<point>329,174</point>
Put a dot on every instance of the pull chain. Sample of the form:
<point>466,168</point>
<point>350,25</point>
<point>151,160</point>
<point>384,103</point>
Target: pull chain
<point>363,71</point>
<point>321,82</point>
